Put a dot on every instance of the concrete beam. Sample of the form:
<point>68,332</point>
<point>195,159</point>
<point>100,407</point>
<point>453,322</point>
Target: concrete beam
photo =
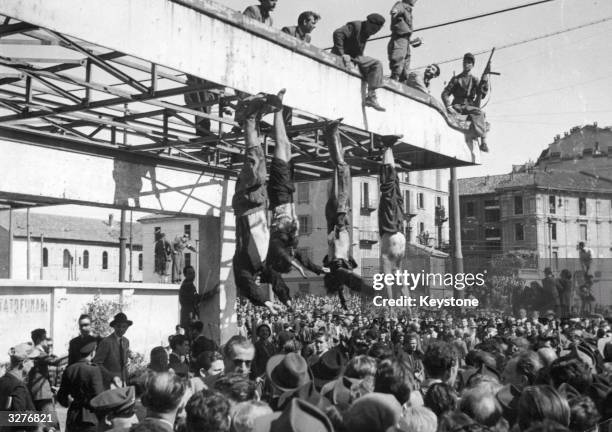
<point>168,33</point>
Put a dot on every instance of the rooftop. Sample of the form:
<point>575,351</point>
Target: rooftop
<point>70,228</point>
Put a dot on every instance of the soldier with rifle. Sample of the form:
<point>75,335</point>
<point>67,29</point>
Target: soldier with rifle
<point>467,92</point>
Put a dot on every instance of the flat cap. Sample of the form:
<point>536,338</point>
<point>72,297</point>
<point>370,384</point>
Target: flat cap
<point>114,400</point>
<point>376,19</point>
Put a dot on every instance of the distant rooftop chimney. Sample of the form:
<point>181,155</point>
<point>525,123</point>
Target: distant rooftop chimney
<point>110,219</point>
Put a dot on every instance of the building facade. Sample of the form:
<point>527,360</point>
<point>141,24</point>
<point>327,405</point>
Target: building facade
<point>66,248</point>
<point>545,208</point>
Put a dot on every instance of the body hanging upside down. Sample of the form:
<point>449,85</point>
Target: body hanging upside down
<point>338,259</point>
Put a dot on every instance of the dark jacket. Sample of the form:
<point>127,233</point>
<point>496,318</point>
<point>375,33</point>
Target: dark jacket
<point>75,345</point>
<point>112,359</point>
<point>83,381</point>
<point>464,88</point>
<point>296,33</point>
<point>350,40</point>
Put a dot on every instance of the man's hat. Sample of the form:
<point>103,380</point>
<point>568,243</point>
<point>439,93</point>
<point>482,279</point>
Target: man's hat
<point>120,318</point>
<point>88,348</point>
<point>373,412</point>
<point>260,326</point>
<point>114,400</point>
<point>376,19</point>
<point>298,415</point>
<point>469,57</point>
<point>23,351</point>
<point>328,367</point>
<point>288,371</point>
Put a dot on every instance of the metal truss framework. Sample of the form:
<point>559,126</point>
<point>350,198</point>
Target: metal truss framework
<point>105,99</point>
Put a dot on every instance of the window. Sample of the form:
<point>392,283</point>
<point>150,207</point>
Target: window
<point>439,201</point>
<point>407,177</point>
<point>492,233</point>
<point>518,205</point>
<point>492,215</point>
<point>187,260</point>
<point>45,257</point>
<point>365,195</point>
<point>139,262</point>
<point>85,259</point>
<point>421,227</point>
<point>583,232</point>
<point>305,224</point>
<point>104,260</point>
<point>187,230</point>
<point>421,200</point>
<point>66,259</point>
<point>303,193</point>
<point>582,206</point>
<point>555,256</point>
<point>519,234</point>
<point>553,231</point>
<point>470,209</point>
<point>552,204</point>
<point>407,201</point>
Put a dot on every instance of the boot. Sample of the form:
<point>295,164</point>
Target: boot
<point>372,102</point>
<point>249,106</point>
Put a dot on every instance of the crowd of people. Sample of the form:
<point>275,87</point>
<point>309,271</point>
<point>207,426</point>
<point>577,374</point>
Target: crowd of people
<point>319,367</point>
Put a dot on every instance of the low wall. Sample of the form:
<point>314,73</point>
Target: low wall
<point>56,306</point>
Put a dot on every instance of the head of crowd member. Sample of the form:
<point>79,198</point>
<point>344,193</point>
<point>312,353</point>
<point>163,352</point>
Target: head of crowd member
<point>395,376</point>
<point>372,25</point>
<point>522,369</point>
<point>321,343</point>
<point>412,342</point>
<point>307,21</point>
<point>374,412</point>
<point>238,355</point>
<point>120,324</point>
<point>40,339</point>
<point>263,332</point>
<point>209,363</point>
<point>538,403</point>
<point>584,415</point>
<point>573,371</point>
<point>440,362</point>
<point>456,421</point>
<point>159,359</point>
<point>115,408</point>
<point>245,413</point>
<point>207,411</point>
<point>180,345</point>
<point>21,359</point>
<point>441,399</point>
<point>468,62</point>
<point>548,355</point>
<point>268,5</point>
<point>84,325</point>
<point>189,273</point>
<point>416,419</point>
<point>163,394</point>
<point>361,367</point>
<point>236,388</point>
<point>328,367</point>
<point>480,404</point>
<point>239,320</point>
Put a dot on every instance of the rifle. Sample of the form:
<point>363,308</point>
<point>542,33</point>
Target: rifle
<point>487,71</point>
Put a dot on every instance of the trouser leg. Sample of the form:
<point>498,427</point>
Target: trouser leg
<point>282,150</point>
<point>372,71</point>
<point>398,51</point>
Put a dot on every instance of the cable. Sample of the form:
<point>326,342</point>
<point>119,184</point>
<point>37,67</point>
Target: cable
<point>524,41</point>
<point>470,18</point>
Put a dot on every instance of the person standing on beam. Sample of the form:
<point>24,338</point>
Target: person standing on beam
<point>338,259</point>
<point>283,254</point>
<point>250,202</point>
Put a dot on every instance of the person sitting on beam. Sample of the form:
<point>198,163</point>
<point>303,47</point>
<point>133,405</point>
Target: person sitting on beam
<point>249,203</point>
<point>338,260</point>
<point>283,254</point>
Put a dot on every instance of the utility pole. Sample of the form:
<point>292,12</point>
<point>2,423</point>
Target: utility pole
<point>28,241</point>
<point>456,227</point>
<point>122,248</point>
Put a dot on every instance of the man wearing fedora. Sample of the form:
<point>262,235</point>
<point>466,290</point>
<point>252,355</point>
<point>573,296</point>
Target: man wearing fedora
<point>112,353</point>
